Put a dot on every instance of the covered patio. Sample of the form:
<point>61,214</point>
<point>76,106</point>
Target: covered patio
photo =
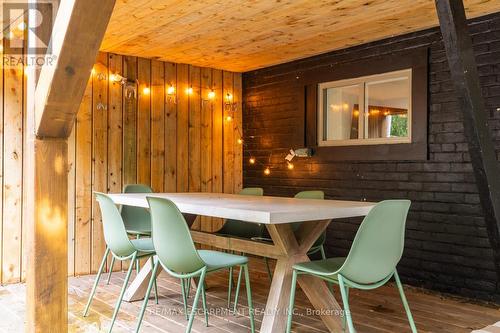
<point>338,160</point>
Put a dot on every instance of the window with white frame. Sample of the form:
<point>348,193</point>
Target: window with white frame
<point>367,110</point>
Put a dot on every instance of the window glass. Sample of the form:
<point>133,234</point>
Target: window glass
<point>341,112</point>
<point>387,108</point>
<point>367,110</point>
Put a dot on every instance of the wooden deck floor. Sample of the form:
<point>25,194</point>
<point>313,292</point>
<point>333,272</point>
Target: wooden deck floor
<point>373,311</point>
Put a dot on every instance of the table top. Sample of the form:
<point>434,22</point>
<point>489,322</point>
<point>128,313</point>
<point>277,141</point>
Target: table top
<point>257,209</point>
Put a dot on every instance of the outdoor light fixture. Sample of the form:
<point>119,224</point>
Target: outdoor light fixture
<point>229,105</point>
<point>171,96</point>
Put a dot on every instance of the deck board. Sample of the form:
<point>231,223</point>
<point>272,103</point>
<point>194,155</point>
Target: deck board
<point>373,311</point>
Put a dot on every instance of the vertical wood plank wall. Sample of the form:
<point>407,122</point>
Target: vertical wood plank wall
<point>172,143</point>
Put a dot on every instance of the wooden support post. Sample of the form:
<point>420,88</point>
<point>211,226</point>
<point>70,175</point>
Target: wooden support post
<point>51,110</point>
<point>463,68</point>
<point>47,283</point>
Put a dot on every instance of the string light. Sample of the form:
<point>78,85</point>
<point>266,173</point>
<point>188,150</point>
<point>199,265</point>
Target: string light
<point>229,96</point>
<point>211,94</point>
<point>170,90</point>
<point>189,90</point>
<point>290,166</point>
<point>267,171</point>
<point>229,118</point>
<point>240,141</point>
<point>21,26</point>
<point>146,90</point>
<point>251,160</point>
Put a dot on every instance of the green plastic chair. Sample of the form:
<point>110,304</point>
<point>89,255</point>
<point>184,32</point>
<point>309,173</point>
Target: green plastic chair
<point>235,228</point>
<point>119,245</point>
<point>318,246</point>
<point>176,253</point>
<point>136,219</point>
<point>371,262</point>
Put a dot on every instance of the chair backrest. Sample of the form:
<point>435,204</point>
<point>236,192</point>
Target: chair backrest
<point>243,229</point>
<point>379,242</point>
<point>136,218</point>
<point>115,234</point>
<point>171,237</point>
<point>313,194</point>
<point>310,195</point>
<point>252,191</point>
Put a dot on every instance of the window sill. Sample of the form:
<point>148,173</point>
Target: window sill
<point>363,142</point>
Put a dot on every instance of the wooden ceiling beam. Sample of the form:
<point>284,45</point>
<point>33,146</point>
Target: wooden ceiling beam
<point>78,32</point>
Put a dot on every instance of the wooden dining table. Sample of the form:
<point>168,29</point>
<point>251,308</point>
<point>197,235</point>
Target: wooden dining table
<point>288,247</point>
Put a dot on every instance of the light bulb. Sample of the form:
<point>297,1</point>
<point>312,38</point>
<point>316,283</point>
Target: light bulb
<point>170,90</point>
<point>251,160</point>
<point>290,166</point>
<point>211,94</point>
<point>189,90</point>
<point>267,171</point>
<point>240,141</point>
<point>146,90</point>
<point>112,77</point>
<point>229,96</point>
<point>229,118</point>
<point>21,26</point>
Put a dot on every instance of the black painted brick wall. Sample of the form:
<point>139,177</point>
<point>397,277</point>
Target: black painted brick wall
<point>447,247</point>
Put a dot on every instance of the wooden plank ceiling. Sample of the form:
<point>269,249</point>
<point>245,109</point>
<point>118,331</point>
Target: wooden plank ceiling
<point>241,35</point>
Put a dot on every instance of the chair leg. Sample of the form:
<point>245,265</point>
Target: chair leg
<point>405,302</point>
<point>292,301</point>
<point>345,300</point>
<point>111,268</point>
<point>188,287</point>
<point>184,298</point>
<point>156,292</point>
<point>249,297</point>
<point>323,256</point>
<point>237,289</point>
<point>146,297</point>
<point>204,302</point>
<point>94,287</point>
<point>195,302</point>
<point>137,260</point>
<point>269,273</point>
<point>122,292</point>
<point>230,287</point>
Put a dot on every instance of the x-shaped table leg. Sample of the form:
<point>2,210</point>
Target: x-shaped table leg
<point>294,247</point>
